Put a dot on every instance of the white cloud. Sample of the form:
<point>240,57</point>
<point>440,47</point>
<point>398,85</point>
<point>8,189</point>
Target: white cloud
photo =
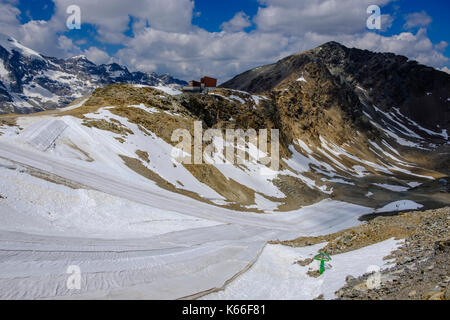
<point>43,37</point>
<point>190,55</point>
<point>112,17</point>
<point>166,41</point>
<point>417,19</point>
<point>97,56</point>
<point>9,22</point>
<point>239,22</point>
<point>415,46</point>
<point>445,69</point>
<point>319,16</point>
<point>386,22</point>
<point>441,46</point>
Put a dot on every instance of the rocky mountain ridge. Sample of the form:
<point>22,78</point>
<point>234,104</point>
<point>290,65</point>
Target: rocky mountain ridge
<point>31,82</point>
<point>385,80</point>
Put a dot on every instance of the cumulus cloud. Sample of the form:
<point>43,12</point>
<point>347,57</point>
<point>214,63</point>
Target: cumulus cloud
<point>386,22</point>
<point>415,46</point>
<point>190,55</point>
<point>417,19</point>
<point>43,37</point>
<point>165,40</point>
<point>97,56</point>
<point>239,22</point>
<point>441,46</point>
<point>445,69</point>
<point>9,22</point>
<point>112,17</point>
<point>318,16</point>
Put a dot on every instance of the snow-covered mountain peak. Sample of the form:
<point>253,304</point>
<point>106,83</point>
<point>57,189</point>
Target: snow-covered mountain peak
<point>30,82</point>
<point>79,57</point>
<point>10,44</point>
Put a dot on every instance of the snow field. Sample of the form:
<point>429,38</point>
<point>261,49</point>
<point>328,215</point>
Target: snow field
<point>276,274</point>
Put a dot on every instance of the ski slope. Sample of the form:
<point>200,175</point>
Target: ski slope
<point>131,238</point>
<point>315,219</point>
<point>142,258</point>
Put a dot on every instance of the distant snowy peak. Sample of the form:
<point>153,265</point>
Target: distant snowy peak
<point>79,57</point>
<point>10,44</point>
<point>30,82</point>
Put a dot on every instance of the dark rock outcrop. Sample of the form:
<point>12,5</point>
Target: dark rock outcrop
<point>385,80</point>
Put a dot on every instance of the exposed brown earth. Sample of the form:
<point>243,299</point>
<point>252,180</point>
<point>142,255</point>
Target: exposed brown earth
<point>422,270</point>
<point>143,155</point>
<point>8,120</point>
<point>102,124</point>
<point>301,110</point>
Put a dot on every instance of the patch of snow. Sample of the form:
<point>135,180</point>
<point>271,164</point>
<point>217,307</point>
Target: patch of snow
<point>360,171</point>
<point>276,276</point>
<point>39,93</point>
<point>430,132</point>
<point>4,74</point>
<point>414,184</point>
<point>240,91</point>
<point>301,164</point>
<point>143,107</point>
<point>406,130</point>
<point>339,152</point>
<point>399,139</point>
<point>304,146</point>
<point>257,99</point>
<point>445,134</point>
<point>241,101</point>
<point>117,74</point>
<point>19,101</point>
<point>390,155</point>
<point>220,96</point>
<point>264,204</point>
<point>391,187</point>
<point>400,205</point>
<point>11,44</point>
<point>368,115</point>
<point>75,106</point>
<point>168,90</point>
<point>338,180</point>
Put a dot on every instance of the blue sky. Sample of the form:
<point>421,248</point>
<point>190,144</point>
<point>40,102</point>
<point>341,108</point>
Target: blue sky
<point>190,38</point>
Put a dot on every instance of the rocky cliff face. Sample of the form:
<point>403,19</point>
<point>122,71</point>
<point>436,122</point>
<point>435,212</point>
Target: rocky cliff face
<point>385,80</point>
<point>30,82</point>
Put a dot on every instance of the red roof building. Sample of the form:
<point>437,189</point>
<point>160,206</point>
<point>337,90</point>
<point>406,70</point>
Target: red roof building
<point>204,85</point>
<point>194,83</point>
<point>209,82</point>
